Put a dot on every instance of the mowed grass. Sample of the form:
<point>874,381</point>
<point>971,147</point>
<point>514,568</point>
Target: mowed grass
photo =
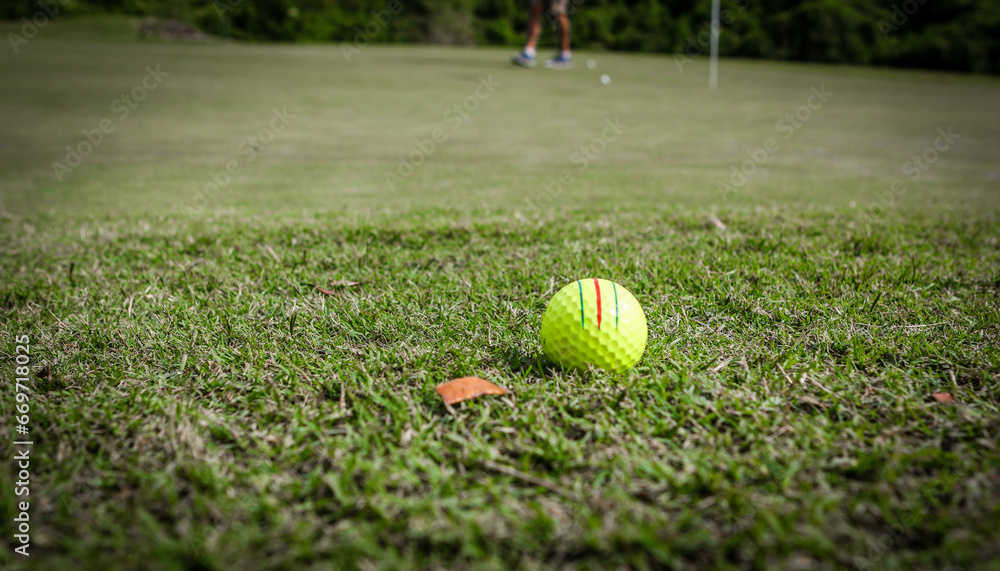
<point>208,408</point>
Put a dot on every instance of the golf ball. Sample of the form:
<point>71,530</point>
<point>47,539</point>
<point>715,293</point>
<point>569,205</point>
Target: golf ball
<point>594,322</point>
<point>605,79</point>
<point>591,64</point>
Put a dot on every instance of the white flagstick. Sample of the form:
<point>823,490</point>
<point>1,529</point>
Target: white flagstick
<point>713,63</point>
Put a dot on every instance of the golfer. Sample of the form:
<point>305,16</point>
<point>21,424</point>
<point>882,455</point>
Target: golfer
<point>557,11</point>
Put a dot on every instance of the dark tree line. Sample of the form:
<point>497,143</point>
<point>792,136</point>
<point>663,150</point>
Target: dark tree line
<point>960,35</point>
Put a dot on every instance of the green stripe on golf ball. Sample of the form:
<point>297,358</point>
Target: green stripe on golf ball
<point>576,335</point>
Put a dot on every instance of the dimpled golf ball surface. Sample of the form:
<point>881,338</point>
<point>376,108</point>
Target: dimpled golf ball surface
<point>594,322</point>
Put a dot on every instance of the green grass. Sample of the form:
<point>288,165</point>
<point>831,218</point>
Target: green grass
<point>209,408</point>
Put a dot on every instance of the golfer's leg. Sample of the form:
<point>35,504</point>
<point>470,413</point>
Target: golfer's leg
<point>564,58</point>
<point>527,56</point>
<point>564,32</point>
<point>534,26</point>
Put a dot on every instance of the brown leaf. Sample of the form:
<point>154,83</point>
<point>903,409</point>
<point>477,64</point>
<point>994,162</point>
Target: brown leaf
<point>465,388</point>
<point>943,397</point>
<point>327,292</point>
<point>44,373</point>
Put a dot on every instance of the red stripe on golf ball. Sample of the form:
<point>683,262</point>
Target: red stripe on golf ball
<point>597,287</point>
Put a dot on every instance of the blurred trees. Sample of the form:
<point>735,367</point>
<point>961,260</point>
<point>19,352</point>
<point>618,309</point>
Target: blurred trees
<point>960,35</point>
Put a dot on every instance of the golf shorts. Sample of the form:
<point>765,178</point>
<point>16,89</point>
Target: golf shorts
<point>556,7</point>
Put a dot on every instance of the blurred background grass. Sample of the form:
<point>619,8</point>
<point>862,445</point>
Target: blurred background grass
<point>355,121</point>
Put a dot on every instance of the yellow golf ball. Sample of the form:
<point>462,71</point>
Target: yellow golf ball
<point>594,322</point>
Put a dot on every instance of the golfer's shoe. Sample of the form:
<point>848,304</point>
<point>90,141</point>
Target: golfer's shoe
<point>523,60</point>
<point>558,62</point>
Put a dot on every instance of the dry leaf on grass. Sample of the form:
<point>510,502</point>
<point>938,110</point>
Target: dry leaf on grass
<point>943,397</point>
<point>345,283</point>
<point>465,388</point>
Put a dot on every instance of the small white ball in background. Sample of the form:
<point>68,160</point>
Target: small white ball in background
<point>605,79</point>
<point>591,64</point>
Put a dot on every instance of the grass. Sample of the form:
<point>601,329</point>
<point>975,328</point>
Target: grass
<point>208,408</point>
